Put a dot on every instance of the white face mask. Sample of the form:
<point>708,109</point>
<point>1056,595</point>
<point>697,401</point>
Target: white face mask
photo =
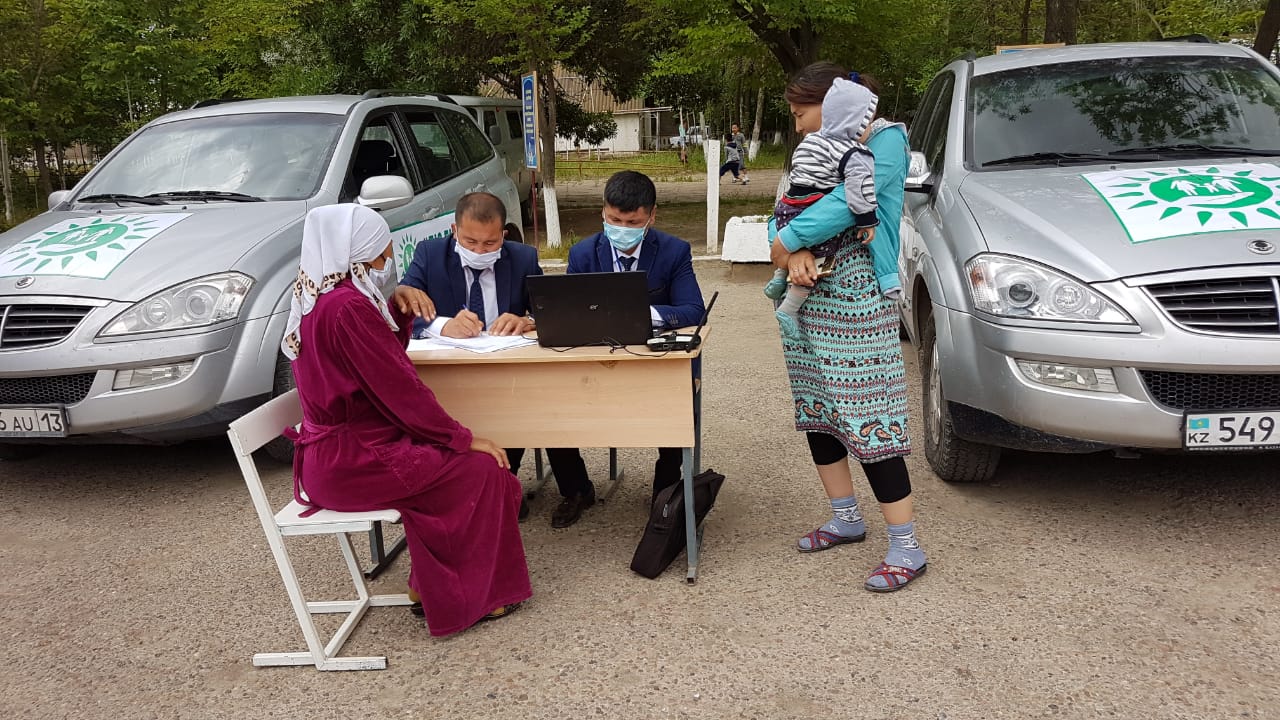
<point>384,276</point>
<point>476,261</point>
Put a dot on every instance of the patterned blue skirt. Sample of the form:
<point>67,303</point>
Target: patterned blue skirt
<point>847,377</point>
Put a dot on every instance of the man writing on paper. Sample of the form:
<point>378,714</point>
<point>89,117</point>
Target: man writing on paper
<point>475,280</point>
<point>630,243</point>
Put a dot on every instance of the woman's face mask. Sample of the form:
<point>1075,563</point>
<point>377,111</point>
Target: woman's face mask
<point>384,276</point>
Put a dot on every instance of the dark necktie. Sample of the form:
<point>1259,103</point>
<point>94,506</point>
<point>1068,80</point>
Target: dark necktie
<point>475,297</point>
<point>627,263</point>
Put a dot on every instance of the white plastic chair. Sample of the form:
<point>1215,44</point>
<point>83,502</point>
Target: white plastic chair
<point>247,435</point>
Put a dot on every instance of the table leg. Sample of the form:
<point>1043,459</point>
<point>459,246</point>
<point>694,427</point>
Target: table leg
<point>690,523</point>
<point>697,429</point>
<point>615,475</point>
<point>540,476</point>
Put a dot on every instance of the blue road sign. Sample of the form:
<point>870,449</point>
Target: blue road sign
<point>529,96</point>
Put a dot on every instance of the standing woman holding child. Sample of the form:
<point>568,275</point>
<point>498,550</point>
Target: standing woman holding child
<point>847,376</point>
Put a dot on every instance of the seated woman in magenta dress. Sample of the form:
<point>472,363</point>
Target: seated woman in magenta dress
<point>374,437</point>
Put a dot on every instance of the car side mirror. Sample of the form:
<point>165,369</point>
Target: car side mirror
<point>385,192</point>
<point>919,179</point>
<point>57,198</point>
<point>495,135</point>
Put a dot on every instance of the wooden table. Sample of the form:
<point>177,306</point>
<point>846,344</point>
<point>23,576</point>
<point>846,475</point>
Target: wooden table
<point>582,397</point>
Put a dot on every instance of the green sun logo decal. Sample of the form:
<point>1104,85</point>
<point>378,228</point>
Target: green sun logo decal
<point>84,247</point>
<point>1170,202</point>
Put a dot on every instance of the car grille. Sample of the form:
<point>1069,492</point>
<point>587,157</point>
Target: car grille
<point>28,326</point>
<point>1239,306</point>
<point>1204,391</point>
<point>52,390</point>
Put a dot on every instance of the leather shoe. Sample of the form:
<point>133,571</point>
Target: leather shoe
<point>570,509</point>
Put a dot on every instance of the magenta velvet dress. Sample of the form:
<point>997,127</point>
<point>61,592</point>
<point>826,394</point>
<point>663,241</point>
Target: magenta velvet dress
<point>374,437</point>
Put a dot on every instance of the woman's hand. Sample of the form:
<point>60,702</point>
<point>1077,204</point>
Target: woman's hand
<point>412,301</point>
<point>488,447</point>
<point>802,268</point>
<point>866,235</point>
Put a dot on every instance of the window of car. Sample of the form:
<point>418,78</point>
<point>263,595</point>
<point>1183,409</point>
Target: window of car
<point>1135,104</point>
<point>274,156</point>
<point>475,147</point>
<point>436,155</point>
<point>934,143</point>
<point>490,120</point>
<point>380,151</point>
<point>515,124</point>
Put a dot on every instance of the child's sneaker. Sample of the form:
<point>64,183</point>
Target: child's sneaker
<point>735,181</point>
<point>790,328</point>
<point>777,287</point>
<point>746,181</point>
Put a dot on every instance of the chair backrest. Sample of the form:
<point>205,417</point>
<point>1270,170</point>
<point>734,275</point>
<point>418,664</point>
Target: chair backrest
<point>251,432</point>
<point>265,424</point>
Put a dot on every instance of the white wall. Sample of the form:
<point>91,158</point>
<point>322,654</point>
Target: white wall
<point>627,139</point>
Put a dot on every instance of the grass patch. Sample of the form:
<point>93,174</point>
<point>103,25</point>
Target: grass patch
<point>663,165</point>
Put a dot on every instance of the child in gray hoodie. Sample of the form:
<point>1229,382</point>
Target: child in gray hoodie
<point>821,161</point>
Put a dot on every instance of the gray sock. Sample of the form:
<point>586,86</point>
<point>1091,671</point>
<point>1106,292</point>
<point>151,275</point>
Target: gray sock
<point>795,297</point>
<point>846,521</point>
<point>904,549</point>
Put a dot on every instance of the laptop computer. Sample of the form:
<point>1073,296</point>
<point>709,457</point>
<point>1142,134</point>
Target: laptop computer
<point>610,308</point>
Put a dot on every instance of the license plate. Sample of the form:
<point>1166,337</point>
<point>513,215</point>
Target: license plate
<point>33,422</point>
<point>1232,430</point>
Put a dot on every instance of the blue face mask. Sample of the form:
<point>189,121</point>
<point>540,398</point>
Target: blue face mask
<point>624,238</point>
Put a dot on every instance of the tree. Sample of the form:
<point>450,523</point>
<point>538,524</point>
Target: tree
<point>1268,29</point>
<point>1061,18</point>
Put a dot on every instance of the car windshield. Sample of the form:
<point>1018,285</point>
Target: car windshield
<point>273,156</point>
<point>1101,107</point>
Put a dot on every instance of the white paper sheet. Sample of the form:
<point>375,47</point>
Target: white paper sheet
<point>484,343</point>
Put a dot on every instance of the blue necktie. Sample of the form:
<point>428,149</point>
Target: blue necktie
<point>627,263</point>
<point>475,297</point>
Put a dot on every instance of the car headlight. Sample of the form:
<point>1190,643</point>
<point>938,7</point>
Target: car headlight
<point>196,303</point>
<point>1014,288</point>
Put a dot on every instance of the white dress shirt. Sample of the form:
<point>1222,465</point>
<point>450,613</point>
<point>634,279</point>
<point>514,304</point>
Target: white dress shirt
<point>654,317</point>
<point>488,287</point>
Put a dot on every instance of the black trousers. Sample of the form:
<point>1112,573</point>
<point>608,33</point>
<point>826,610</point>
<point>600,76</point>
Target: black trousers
<point>571,471</point>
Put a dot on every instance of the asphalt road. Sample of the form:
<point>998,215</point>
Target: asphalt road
<point>136,583</point>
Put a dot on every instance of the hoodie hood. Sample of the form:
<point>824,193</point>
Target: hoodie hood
<point>847,110</point>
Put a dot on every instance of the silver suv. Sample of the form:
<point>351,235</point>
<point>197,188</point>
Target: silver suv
<point>148,304</point>
<point>1090,254</point>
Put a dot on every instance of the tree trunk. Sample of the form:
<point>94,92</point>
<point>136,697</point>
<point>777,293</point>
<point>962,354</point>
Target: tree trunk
<point>755,129</point>
<point>1061,18</point>
<point>42,168</point>
<point>547,86</point>
<point>1268,30</point>
<point>6,179</point>
<point>1026,22</point>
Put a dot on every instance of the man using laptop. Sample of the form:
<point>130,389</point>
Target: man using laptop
<point>630,243</point>
<point>475,280</point>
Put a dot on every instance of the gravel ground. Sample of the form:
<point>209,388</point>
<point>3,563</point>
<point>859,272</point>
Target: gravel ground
<point>137,584</point>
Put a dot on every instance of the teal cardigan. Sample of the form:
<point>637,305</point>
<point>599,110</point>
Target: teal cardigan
<point>829,216</point>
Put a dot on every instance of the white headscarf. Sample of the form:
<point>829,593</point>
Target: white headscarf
<point>336,239</point>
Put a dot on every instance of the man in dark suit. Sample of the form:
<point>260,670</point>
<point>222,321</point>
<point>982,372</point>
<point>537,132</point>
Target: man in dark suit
<point>475,280</point>
<point>630,243</point>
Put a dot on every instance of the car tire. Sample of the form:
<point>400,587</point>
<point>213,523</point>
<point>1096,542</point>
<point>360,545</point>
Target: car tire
<point>281,449</point>
<point>953,458</point>
<point>16,453</point>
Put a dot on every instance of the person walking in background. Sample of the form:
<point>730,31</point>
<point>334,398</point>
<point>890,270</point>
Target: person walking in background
<point>732,159</point>
<point>848,380</point>
<point>736,136</point>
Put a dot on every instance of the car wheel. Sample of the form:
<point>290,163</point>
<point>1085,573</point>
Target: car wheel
<point>953,458</point>
<point>14,453</point>
<point>281,448</point>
